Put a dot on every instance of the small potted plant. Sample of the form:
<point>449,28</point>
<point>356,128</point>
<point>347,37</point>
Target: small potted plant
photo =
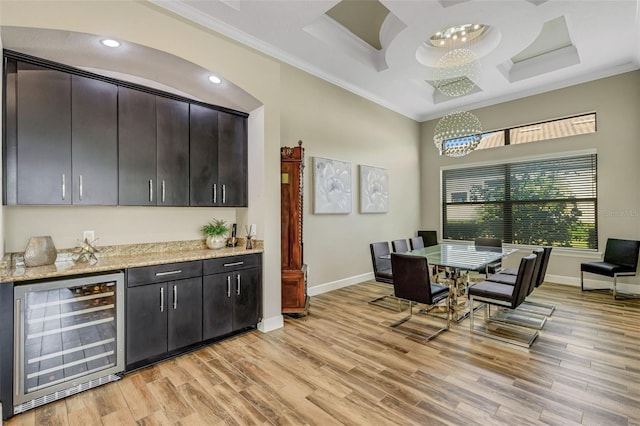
<point>216,233</point>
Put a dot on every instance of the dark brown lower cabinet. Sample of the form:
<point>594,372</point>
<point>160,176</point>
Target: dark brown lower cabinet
<point>163,317</point>
<point>231,302</point>
<point>174,307</point>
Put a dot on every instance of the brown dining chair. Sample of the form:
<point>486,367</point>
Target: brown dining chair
<point>489,244</point>
<point>429,238</point>
<point>532,305</point>
<point>399,246</point>
<point>504,295</point>
<point>411,283</point>
<point>520,315</point>
<point>382,272</point>
<point>416,242</point>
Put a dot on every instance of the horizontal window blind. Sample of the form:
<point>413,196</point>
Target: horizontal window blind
<point>542,202</point>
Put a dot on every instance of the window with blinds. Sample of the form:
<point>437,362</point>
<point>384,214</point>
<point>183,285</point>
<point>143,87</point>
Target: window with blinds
<point>542,202</point>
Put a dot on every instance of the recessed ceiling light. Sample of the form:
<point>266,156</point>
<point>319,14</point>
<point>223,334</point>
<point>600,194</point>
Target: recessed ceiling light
<point>452,37</point>
<point>214,79</point>
<point>110,43</point>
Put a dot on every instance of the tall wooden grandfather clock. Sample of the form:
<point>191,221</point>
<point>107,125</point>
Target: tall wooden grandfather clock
<point>294,271</point>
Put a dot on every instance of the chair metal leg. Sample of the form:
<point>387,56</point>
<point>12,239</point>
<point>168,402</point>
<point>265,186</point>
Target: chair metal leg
<point>595,289</point>
<point>524,306</point>
<point>395,324</point>
<point>517,317</point>
<point>614,289</point>
<point>505,333</point>
<point>622,295</point>
<point>377,300</point>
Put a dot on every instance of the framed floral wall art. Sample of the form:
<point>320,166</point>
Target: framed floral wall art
<point>332,186</point>
<point>374,190</point>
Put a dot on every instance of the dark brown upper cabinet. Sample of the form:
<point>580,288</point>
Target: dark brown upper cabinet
<point>73,137</point>
<point>154,150</point>
<point>61,140</point>
<point>43,117</point>
<point>172,129</point>
<point>232,159</point>
<point>94,141</point>
<point>137,159</point>
<point>218,159</point>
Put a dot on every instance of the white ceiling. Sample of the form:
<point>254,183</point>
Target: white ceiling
<point>582,40</point>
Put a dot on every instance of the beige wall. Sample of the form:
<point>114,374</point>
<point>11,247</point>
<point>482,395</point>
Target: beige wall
<point>332,122</point>
<point>145,24</point>
<point>616,100</point>
<point>339,125</point>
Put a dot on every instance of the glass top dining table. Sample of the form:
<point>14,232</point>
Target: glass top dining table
<point>457,258</point>
<point>462,256</point>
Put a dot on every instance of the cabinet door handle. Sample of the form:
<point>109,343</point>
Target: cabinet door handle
<point>161,299</point>
<point>233,264</point>
<point>150,190</point>
<point>17,372</point>
<point>64,187</point>
<point>80,185</point>
<point>162,274</point>
<point>175,297</point>
<point>163,191</point>
<point>238,284</point>
<point>224,194</point>
<point>215,193</point>
<point>228,285</point>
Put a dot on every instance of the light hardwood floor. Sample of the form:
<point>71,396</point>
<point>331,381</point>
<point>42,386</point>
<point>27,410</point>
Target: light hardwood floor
<point>343,365</point>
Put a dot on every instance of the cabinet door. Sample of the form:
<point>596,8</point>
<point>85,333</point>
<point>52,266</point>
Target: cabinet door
<point>43,135</point>
<point>136,148</point>
<point>217,305</point>
<point>172,127</point>
<point>247,298</point>
<point>203,178</point>
<point>146,322</point>
<point>232,162</point>
<point>185,313</point>
<point>94,139</point>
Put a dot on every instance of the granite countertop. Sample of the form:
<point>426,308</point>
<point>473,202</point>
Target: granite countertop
<point>113,258</point>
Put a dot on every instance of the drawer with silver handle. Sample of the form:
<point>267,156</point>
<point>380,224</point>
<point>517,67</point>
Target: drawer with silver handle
<point>162,273</point>
<point>231,263</point>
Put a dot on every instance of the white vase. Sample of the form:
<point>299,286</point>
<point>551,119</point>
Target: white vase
<point>216,241</point>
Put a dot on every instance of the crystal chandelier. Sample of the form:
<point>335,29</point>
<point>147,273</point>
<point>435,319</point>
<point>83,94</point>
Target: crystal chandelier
<point>456,72</point>
<point>457,134</point>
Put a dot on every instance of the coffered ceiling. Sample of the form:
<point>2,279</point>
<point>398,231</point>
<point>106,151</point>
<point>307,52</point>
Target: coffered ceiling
<point>380,49</point>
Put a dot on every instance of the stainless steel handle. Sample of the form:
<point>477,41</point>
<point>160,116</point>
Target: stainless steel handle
<point>17,374</point>
<point>162,274</point>
<point>238,284</point>
<point>224,194</point>
<point>228,285</point>
<point>161,299</point>
<point>175,297</point>
<point>64,187</point>
<point>233,264</point>
<point>215,193</point>
<point>163,191</point>
<point>150,190</point>
<point>80,185</point>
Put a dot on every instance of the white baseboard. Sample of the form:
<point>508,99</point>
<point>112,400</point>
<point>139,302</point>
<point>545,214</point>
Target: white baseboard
<point>270,324</point>
<point>557,279</point>
<point>334,285</point>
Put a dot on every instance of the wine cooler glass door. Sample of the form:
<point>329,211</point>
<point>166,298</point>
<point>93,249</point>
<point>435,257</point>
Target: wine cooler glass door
<point>68,333</point>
